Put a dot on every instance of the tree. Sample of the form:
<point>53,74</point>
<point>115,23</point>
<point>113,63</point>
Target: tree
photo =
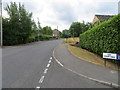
<point>66,33</point>
<point>75,29</point>
<point>47,30</point>
<point>19,24</point>
<point>78,28</point>
<point>39,26</point>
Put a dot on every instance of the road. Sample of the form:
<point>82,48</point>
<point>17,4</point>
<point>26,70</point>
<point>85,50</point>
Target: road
<point>32,66</point>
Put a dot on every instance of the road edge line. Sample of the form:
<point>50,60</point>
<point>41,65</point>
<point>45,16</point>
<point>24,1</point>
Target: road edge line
<point>96,80</point>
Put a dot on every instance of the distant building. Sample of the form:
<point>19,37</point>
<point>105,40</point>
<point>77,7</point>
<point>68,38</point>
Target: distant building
<point>56,33</point>
<point>101,18</point>
<point>119,7</point>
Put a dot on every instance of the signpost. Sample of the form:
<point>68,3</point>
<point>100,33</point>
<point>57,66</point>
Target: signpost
<point>112,56</point>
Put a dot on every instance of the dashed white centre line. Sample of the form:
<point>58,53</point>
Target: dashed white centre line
<point>37,88</point>
<point>41,79</point>
<point>49,61</point>
<point>45,71</point>
<point>50,57</point>
<point>48,65</point>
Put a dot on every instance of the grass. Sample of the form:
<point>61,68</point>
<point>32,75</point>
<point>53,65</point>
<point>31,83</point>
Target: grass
<point>88,56</point>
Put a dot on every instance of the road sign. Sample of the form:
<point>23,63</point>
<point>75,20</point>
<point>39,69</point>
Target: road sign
<point>110,56</point>
<point>118,56</point>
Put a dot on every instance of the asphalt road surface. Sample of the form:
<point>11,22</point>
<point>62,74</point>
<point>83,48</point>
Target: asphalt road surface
<point>32,66</point>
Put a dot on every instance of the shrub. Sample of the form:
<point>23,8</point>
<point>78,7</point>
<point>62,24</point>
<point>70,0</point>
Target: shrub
<point>103,38</point>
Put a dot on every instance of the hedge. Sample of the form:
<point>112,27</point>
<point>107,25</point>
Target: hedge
<point>103,38</point>
<point>44,37</point>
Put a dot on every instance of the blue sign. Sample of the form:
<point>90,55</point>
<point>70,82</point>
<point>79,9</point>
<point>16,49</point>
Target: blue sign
<point>118,56</point>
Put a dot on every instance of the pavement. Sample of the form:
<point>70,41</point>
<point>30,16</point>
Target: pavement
<point>85,69</point>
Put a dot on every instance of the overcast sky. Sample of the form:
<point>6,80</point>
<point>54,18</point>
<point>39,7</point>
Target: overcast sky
<point>62,13</point>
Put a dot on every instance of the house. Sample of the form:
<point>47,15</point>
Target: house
<point>56,33</point>
<point>101,18</point>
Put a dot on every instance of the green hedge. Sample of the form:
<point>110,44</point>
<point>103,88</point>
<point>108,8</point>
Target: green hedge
<point>103,38</point>
<point>44,37</point>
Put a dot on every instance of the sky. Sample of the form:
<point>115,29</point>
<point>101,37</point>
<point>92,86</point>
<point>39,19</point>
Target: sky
<point>62,13</point>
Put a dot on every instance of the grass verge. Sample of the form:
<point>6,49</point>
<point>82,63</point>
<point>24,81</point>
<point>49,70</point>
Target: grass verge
<point>89,56</point>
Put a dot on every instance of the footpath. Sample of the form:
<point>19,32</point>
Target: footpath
<point>85,69</point>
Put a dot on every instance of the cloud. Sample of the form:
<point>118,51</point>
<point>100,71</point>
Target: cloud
<point>63,12</point>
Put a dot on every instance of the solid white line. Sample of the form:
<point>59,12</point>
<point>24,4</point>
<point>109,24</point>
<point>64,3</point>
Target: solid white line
<point>50,57</point>
<point>48,65</point>
<point>49,61</point>
<point>103,82</point>
<point>41,79</point>
<point>57,60</point>
<point>45,71</point>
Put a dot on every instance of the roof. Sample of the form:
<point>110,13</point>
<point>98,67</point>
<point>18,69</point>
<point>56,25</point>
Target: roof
<point>104,17</point>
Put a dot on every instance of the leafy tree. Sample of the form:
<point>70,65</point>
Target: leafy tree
<point>75,29</point>
<point>66,33</point>
<point>19,24</point>
<point>39,26</point>
<point>47,30</point>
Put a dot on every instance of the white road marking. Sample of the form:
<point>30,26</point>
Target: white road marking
<point>57,59</point>
<point>41,79</point>
<point>51,58</point>
<point>48,65</point>
<point>45,71</point>
<point>49,61</point>
<point>113,72</point>
<point>37,88</point>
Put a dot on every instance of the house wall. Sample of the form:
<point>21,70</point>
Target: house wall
<point>56,33</point>
<point>95,20</point>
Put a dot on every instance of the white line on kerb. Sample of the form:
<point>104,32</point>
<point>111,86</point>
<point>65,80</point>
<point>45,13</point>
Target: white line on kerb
<point>49,61</point>
<point>41,79</point>
<point>50,57</point>
<point>48,65</point>
<point>45,71</point>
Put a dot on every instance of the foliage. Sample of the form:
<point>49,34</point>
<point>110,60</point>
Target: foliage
<point>46,30</point>
<point>17,28</point>
<point>44,37</point>
<point>103,37</point>
<point>77,28</point>
<point>66,33</point>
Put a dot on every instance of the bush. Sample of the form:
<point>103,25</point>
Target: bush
<point>103,38</point>
<point>44,37</point>
<point>31,39</point>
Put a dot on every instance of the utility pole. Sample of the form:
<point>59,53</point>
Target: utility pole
<point>38,29</point>
<point>119,7</point>
<point>1,23</point>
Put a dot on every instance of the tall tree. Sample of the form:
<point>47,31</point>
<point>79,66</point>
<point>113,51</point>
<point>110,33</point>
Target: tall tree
<point>75,29</point>
<point>47,30</point>
<point>66,33</point>
<point>19,22</point>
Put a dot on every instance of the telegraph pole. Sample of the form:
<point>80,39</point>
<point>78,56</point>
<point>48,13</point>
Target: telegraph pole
<point>1,23</point>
